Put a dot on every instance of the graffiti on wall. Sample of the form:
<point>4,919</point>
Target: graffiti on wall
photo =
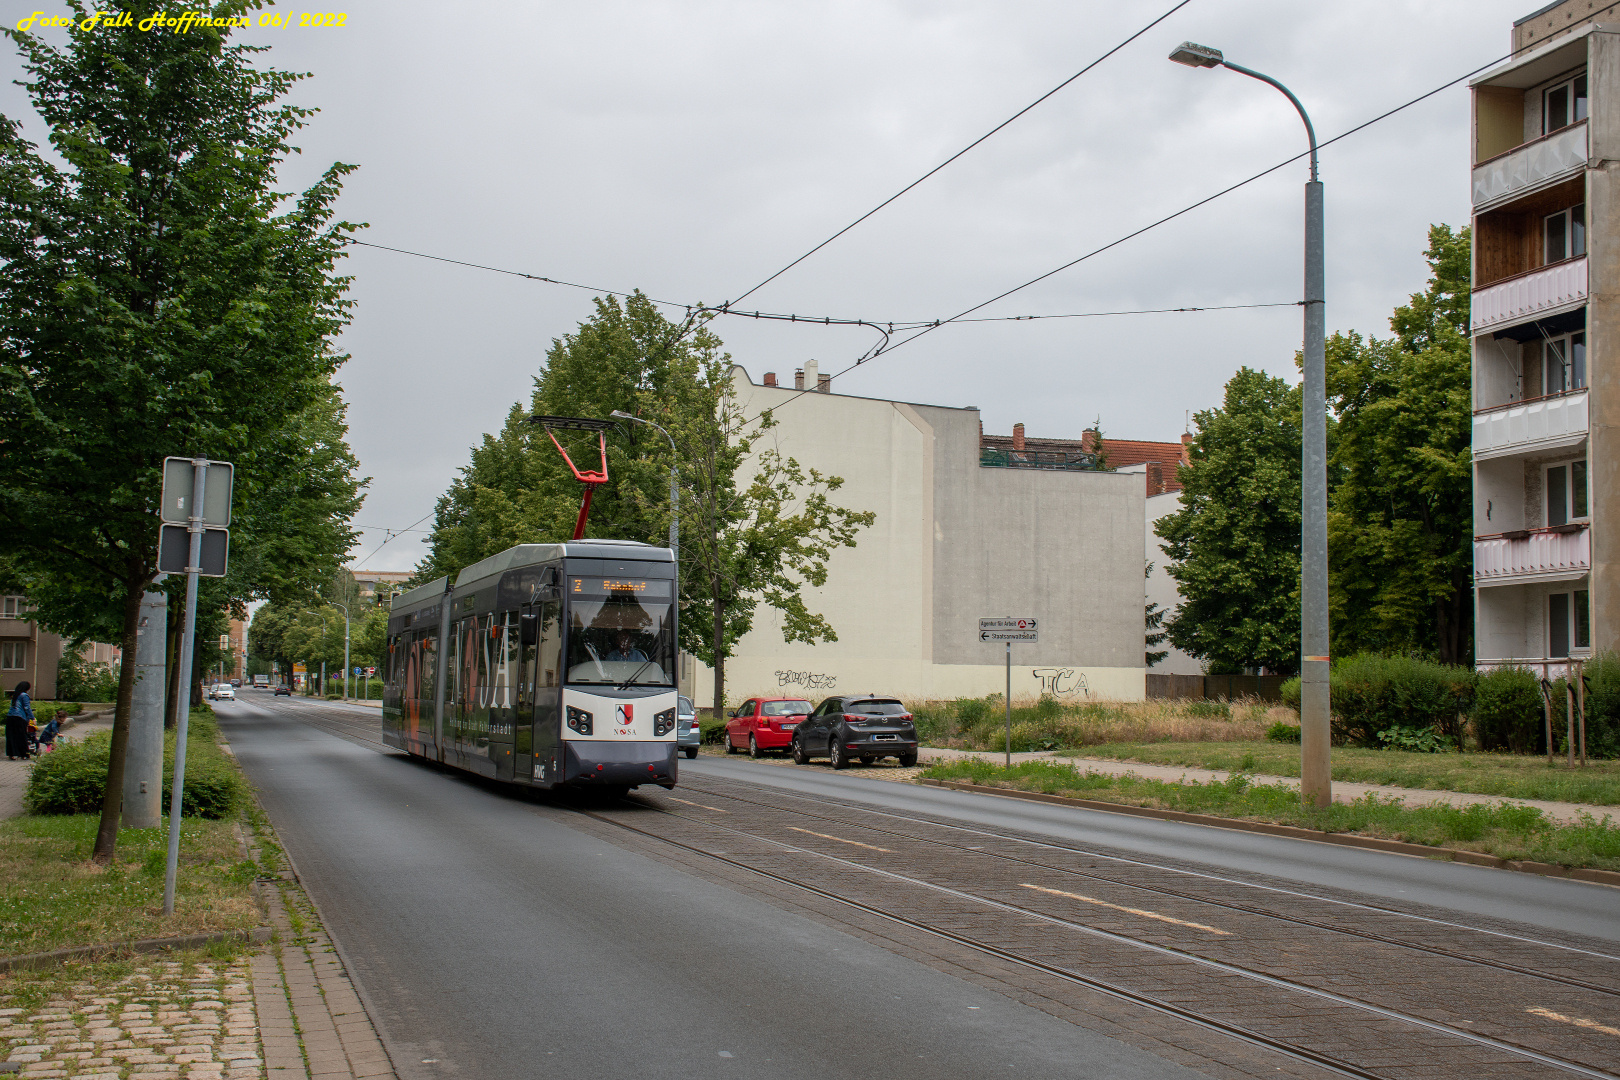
<point>1061,682</point>
<point>810,680</point>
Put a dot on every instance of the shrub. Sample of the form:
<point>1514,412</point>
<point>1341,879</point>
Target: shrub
<point>1372,693</point>
<point>79,680</point>
<point>1422,740</point>
<point>1508,711</point>
<point>1283,733</point>
<point>44,710</point>
<point>1603,706</point>
<point>72,778</point>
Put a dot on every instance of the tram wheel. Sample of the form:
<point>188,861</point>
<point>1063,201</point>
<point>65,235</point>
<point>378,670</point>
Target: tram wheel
<point>753,747</point>
<point>799,756</point>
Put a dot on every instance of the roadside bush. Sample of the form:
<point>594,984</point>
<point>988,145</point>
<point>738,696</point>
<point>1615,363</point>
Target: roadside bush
<point>72,778</point>
<point>1603,706</point>
<point>44,710</point>
<point>1373,693</point>
<point>1283,732</point>
<point>1507,711</point>
<point>1419,740</point>
<point>79,680</point>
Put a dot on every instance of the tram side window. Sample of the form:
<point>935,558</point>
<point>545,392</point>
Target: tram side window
<point>455,683</point>
<point>512,642</point>
<point>430,664</point>
<point>550,663</point>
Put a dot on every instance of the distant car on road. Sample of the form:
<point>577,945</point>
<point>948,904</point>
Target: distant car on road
<point>222,692</point>
<point>283,691</point>
<point>261,682</point>
<point>761,724</point>
<point>236,684</point>
<point>687,733</point>
<point>845,729</point>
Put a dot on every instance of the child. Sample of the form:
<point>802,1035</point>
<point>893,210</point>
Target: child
<point>47,735</point>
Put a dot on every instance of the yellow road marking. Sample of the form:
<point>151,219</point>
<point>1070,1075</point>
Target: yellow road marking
<point>1128,910</point>
<point>1577,1021</point>
<point>840,839</point>
<point>699,805</point>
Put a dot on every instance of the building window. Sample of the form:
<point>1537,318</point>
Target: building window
<point>1565,104</point>
<point>13,607</point>
<point>13,655</point>
<point>1565,234</point>
<point>1567,499</point>
<point>1569,622</point>
<point>1563,364</point>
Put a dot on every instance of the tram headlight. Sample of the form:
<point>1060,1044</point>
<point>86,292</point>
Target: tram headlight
<point>663,723</point>
<point>579,720</point>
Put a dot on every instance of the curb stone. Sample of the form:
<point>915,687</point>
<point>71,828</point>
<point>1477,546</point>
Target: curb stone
<point>257,936</point>
<point>1598,877</point>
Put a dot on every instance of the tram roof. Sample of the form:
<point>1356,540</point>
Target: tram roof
<point>529,554</point>
<point>432,590</point>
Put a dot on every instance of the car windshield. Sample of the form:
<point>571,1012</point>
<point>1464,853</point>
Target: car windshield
<point>784,708</point>
<point>876,708</point>
<point>620,631</point>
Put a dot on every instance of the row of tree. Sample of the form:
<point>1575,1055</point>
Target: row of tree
<point>159,295</point>
<point>755,525</point>
<point>1399,494</point>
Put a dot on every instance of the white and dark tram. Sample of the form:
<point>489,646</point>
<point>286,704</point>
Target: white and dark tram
<point>546,665</point>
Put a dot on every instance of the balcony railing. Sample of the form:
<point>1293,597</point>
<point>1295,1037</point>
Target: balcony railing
<point>1530,295</point>
<point>1521,427</point>
<point>1561,553</point>
<point>1506,175</point>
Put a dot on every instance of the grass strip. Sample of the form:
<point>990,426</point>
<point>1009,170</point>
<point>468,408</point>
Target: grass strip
<point>1513,776</point>
<point>1505,830</point>
<point>53,897</point>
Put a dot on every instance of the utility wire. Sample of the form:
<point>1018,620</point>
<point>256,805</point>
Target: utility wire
<point>394,534</point>
<point>960,152</point>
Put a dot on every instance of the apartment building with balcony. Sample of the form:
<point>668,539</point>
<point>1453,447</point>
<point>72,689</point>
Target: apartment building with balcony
<point>1546,340</point>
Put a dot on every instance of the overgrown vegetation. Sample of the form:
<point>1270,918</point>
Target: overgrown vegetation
<point>1050,724</point>
<point>1506,830</point>
<point>71,779</point>
<point>77,679</point>
<point>1372,694</point>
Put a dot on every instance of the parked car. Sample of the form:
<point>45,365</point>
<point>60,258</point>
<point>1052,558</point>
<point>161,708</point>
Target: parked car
<point>222,692</point>
<point>687,733</point>
<point>762,724</point>
<point>863,728</point>
<point>283,691</point>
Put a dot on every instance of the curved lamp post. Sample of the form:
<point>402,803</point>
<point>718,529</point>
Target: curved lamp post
<point>1316,778</point>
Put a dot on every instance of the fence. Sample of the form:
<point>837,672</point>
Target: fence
<point>1224,687</point>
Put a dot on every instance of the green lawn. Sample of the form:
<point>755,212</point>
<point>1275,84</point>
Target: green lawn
<point>1504,830</point>
<point>1509,775</point>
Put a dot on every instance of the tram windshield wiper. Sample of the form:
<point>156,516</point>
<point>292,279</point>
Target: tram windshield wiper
<point>636,674</point>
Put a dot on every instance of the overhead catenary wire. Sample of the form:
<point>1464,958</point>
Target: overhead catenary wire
<point>393,534</point>
<point>959,153</point>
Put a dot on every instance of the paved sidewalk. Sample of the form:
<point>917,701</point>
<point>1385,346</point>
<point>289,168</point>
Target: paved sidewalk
<point>1343,791</point>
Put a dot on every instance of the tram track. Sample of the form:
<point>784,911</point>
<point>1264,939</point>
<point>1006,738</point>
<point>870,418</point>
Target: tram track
<point>1066,973</point>
<point>993,927</point>
<point>1612,989</point>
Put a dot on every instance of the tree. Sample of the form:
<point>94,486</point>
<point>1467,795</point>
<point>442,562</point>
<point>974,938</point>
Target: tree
<point>1154,633</point>
<point>755,526</point>
<point>1234,544</point>
<point>157,295</point>
<point>1400,528</point>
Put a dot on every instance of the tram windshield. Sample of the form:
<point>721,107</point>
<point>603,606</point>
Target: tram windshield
<point>621,631</point>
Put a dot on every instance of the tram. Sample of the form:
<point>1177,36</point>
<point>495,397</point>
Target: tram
<point>547,665</point>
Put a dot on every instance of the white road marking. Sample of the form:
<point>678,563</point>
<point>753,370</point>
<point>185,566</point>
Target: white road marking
<point>699,805</point>
<point>841,840</point>
<point>1127,910</point>
<point>1576,1021</point>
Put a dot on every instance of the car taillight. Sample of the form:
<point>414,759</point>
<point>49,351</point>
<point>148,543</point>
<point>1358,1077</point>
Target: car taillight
<point>579,720</point>
<point>853,718</point>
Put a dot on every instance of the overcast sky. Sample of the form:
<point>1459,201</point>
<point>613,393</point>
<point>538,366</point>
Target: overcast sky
<point>691,149</point>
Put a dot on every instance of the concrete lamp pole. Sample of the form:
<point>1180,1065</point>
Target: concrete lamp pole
<point>1316,777</point>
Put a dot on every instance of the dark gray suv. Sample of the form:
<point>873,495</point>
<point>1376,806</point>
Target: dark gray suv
<point>856,728</point>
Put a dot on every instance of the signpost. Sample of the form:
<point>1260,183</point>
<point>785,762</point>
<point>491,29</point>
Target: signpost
<point>1009,630</point>
<point>195,509</point>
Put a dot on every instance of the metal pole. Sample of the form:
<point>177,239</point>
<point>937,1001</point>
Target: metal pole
<point>199,481</point>
<point>1009,704</point>
<point>1315,706</point>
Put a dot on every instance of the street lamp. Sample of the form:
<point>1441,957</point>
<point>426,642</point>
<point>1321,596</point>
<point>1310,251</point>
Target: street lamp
<point>674,490</point>
<point>1316,778</point>
<point>345,608</point>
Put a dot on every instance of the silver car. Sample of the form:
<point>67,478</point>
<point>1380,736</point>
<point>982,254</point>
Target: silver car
<point>687,733</point>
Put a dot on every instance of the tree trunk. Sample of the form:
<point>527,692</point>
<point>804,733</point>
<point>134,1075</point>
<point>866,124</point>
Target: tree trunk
<point>719,653</point>
<point>112,799</point>
<point>171,703</point>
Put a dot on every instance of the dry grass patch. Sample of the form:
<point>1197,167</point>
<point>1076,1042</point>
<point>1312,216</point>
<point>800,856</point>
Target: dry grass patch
<point>1050,724</point>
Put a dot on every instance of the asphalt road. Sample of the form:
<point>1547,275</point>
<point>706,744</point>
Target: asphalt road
<point>492,940</point>
<point>1553,903</point>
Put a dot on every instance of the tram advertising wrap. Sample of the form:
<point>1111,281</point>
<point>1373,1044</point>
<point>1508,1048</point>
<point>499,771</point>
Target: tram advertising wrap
<point>545,665</point>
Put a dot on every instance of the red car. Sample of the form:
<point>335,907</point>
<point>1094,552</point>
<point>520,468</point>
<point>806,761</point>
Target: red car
<point>762,724</point>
